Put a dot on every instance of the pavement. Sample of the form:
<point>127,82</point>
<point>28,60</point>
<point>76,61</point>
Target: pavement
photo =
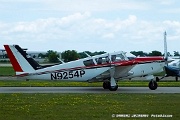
<point>87,90</point>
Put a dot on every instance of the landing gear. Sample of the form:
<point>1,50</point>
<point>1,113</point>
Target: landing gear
<point>107,85</point>
<point>153,85</point>
<point>113,88</point>
<point>111,84</point>
<point>157,79</point>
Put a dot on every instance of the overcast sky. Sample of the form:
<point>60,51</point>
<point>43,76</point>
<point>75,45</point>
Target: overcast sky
<point>93,25</point>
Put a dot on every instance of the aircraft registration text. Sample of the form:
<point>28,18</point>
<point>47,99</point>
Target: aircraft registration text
<point>67,75</point>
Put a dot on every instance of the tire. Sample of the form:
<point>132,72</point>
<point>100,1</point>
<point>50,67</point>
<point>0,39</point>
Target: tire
<point>153,85</point>
<point>106,85</point>
<point>113,88</point>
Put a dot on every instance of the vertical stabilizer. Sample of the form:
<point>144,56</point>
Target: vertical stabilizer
<point>20,60</point>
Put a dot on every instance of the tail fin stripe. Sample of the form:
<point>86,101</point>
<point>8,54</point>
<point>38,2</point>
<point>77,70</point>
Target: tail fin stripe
<point>13,60</point>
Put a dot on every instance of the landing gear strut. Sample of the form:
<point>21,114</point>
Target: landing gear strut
<point>111,84</point>
<point>153,85</point>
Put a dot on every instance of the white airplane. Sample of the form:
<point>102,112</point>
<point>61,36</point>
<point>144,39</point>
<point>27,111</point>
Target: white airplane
<point>108,68</point>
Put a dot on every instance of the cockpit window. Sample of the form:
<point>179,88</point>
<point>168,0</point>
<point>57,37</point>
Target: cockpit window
<point>88,62</point>
<point>102,60</point>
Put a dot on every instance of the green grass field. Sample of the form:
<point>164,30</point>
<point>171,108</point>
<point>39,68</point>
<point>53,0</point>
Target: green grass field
<point>48,83</point>
<point>86,106</point>
<point>6,71</point>
<point>19,106</point>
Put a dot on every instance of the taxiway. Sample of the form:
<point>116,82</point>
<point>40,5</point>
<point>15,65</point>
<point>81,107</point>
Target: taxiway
<point>87,90</point>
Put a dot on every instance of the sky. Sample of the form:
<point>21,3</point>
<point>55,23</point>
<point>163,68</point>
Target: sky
<point>90,25</point>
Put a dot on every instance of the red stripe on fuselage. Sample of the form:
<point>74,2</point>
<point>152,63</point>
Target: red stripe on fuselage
<point>13,60</point>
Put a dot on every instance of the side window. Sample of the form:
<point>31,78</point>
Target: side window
<point>118,57</point>
<point>102,60</point>
<point>88,62</point>
<point>113,58</point>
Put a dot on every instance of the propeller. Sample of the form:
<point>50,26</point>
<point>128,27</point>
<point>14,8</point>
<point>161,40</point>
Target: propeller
<point>166,58</point>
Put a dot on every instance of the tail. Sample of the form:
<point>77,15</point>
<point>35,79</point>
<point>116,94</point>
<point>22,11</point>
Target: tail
<point>20,60</point>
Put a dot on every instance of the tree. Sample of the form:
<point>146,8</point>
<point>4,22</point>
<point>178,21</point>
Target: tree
<point>34,56</point>
<point>98,53</point>
<point>83,55</point>
<point>138,53</point>
<point>155,53</point>
<point>52,56</point>
<point>176,53</point>
<point>69,55</point>
<point>40,55</point>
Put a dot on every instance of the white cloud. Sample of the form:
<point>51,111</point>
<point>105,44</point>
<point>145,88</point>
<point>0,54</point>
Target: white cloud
<point>82,31</point>
<point>166,2</point>
<point>95,5</point>
<point>108,36</point>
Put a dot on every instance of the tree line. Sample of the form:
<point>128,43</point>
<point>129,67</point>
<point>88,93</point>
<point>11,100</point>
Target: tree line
<point>70,55</point>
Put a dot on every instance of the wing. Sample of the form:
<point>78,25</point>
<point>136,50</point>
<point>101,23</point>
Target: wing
<point>121,69</point>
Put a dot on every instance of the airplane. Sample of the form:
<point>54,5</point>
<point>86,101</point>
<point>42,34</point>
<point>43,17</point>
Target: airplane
<point>172,68</point>
<point>108,68</point>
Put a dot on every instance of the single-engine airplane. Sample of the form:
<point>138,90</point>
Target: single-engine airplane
<point>108,68</point>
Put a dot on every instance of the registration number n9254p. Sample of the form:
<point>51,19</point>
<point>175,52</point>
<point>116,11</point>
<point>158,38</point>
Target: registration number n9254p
<point>67,75</point>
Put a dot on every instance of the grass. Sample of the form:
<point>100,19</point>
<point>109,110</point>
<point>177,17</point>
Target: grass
<point>19,106</point>
<point>86,106</point>
<point>6,71</point>
<point>48,83</point>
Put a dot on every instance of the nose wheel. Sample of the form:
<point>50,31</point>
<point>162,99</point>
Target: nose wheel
<point>153,85</point>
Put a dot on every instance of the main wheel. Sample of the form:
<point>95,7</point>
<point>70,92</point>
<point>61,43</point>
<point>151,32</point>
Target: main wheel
<point>106,85</point>
<point>113,88</point>
<point>153,85</point>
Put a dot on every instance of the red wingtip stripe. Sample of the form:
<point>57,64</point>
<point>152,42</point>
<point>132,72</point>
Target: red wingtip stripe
<point>13,60</point>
